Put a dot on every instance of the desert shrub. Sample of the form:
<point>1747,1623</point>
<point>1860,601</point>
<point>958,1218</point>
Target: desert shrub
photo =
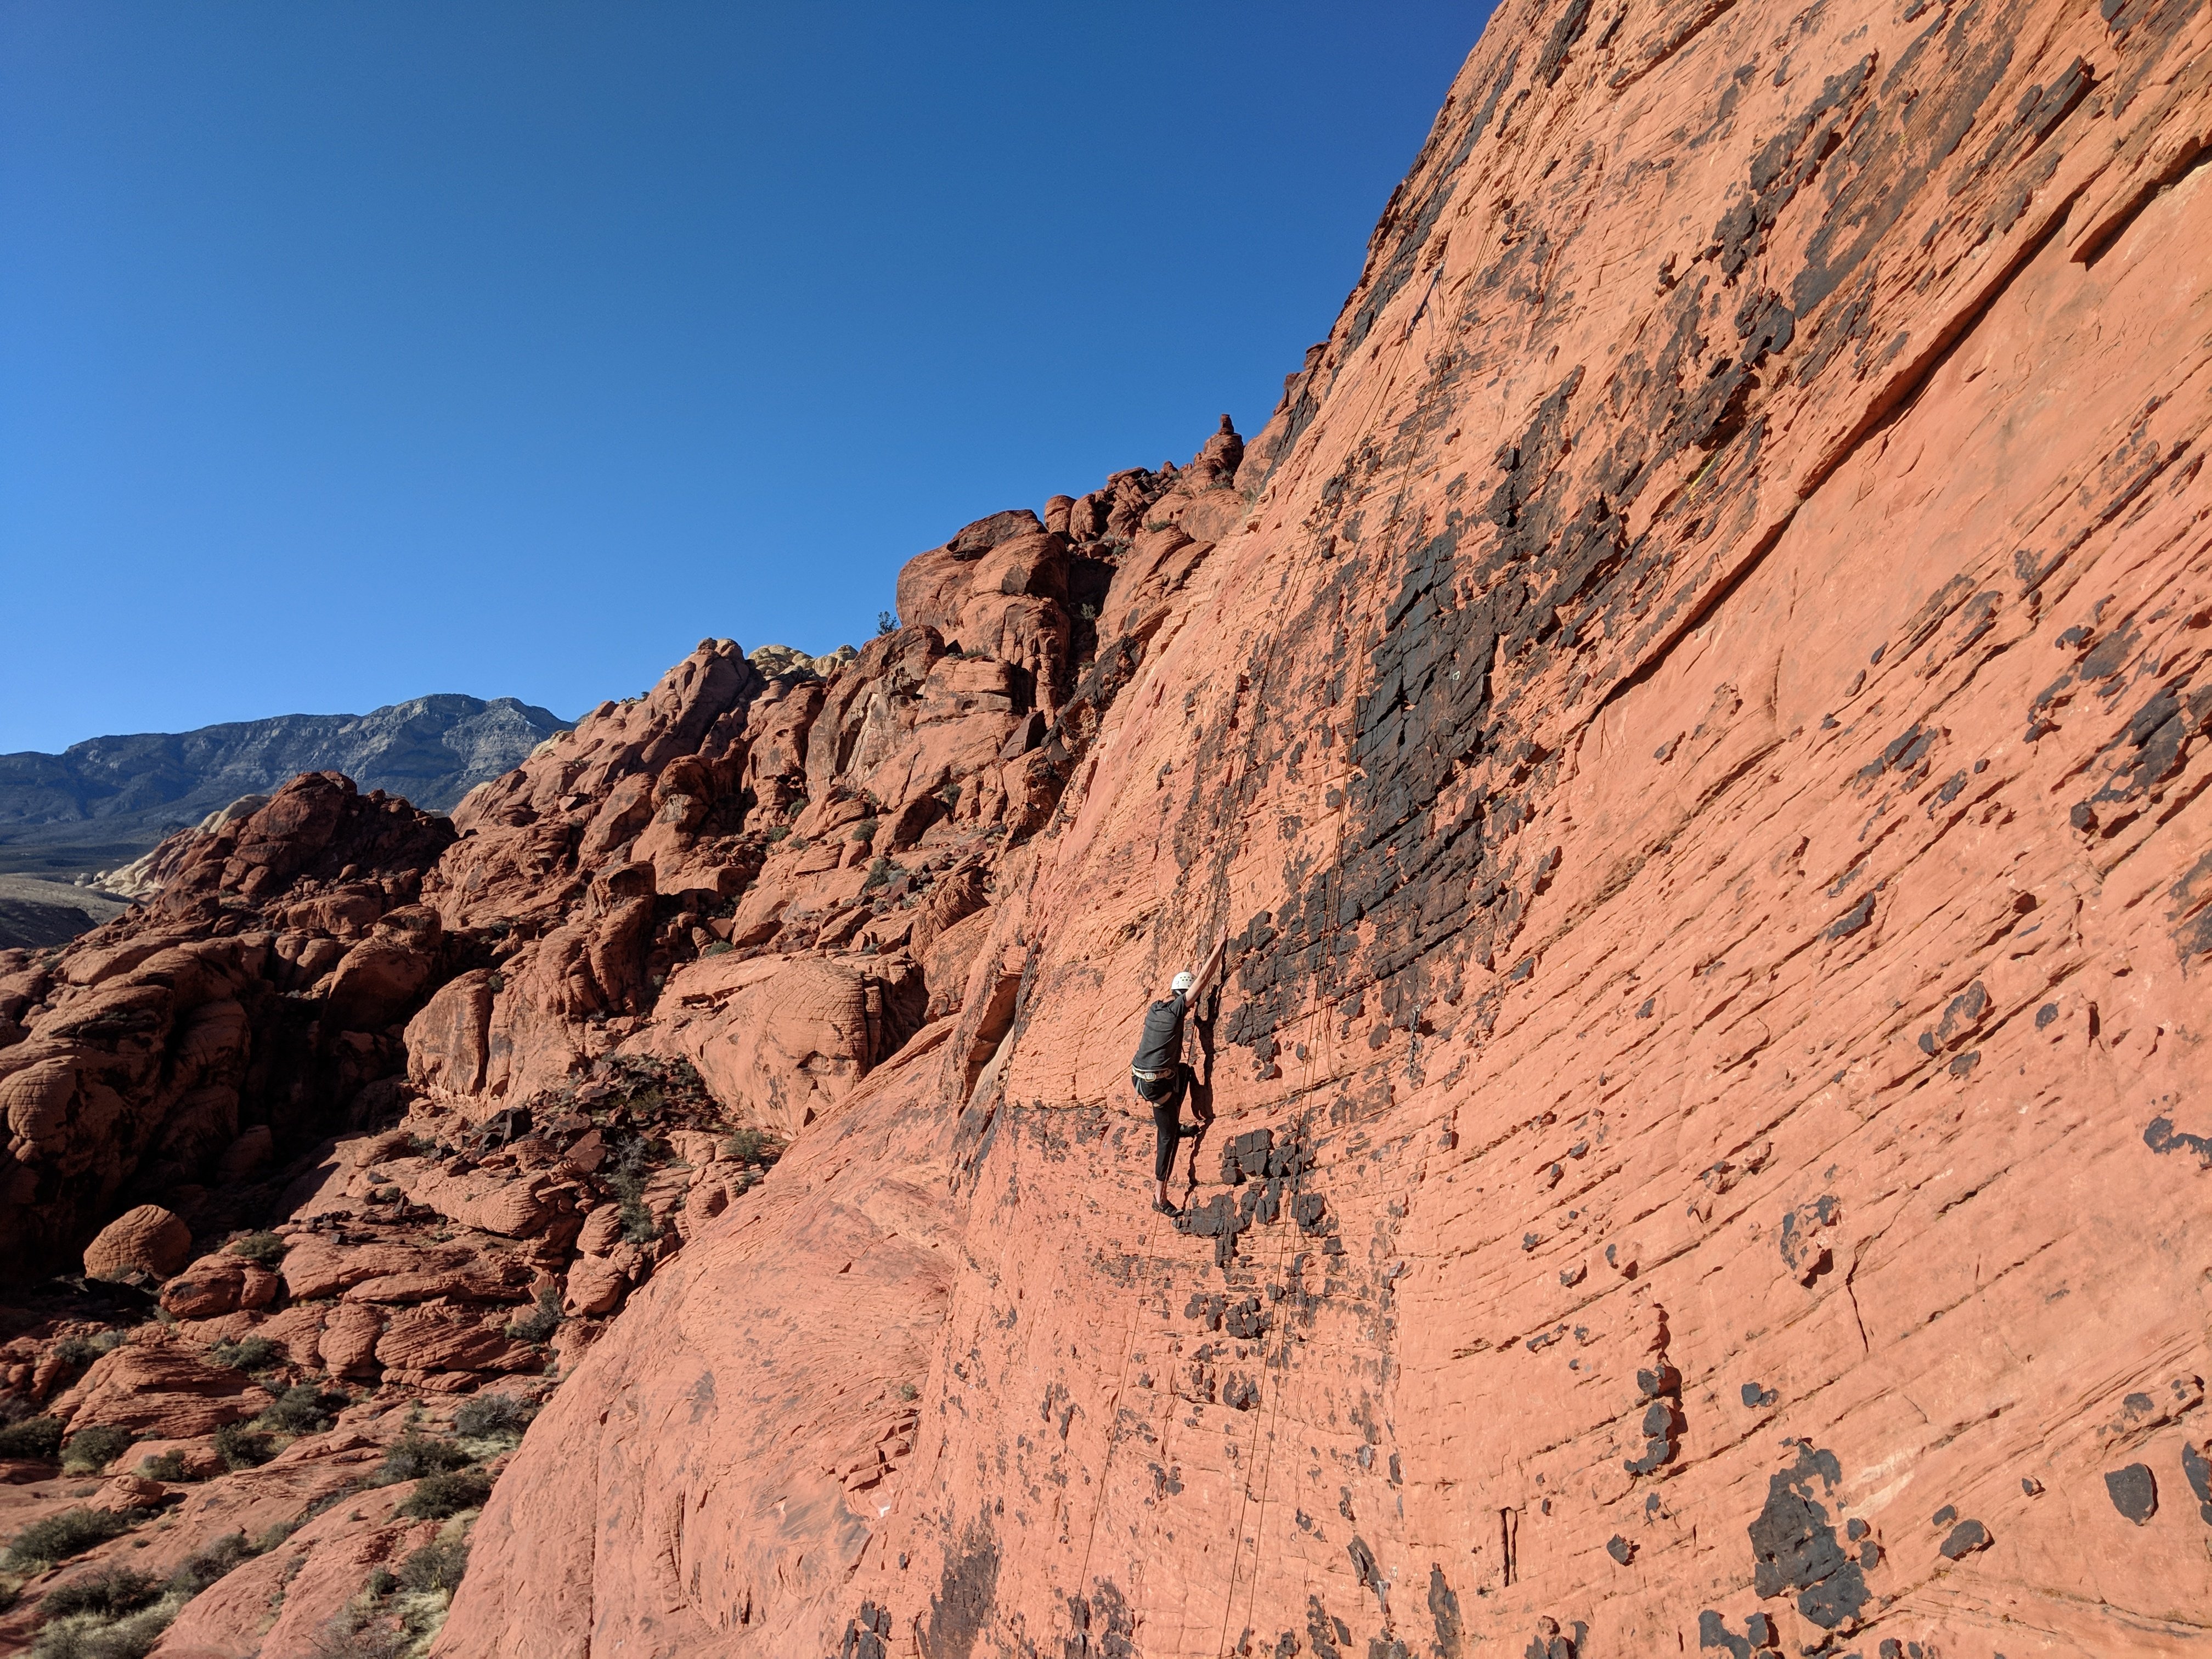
<point>438,1566</point>
<point>865,829</point>
<point>437,1496</point>
<point>756,1147</point>
<point>329,1500</point>
<point>907,1391</point>
<point>638,1225</point>
<point>487,1415</point>
<point>625,1175</point>
<point>777,832</point>
<point>269,1537</point>
<point>540,1322</point>
<point>169,1465</point>
<point>75,1354</point>
<point>87,1636</point>
<point>350,1636</point>
<point>92,1449</point>
<point>414,1455</point>
<point>72,1532</point>
<point>243,1447</point>
<point>380,1582</point>
<point>886,623</point>
<point>302,1409</point>
<point>251,1353</point>
<point>39,1437</point>
<point>111,1593</point>
<point>721,947</point>
<point>950,794</point>
<point>262,1250</point>
<point>882,874</point>
<point>217,1557</point>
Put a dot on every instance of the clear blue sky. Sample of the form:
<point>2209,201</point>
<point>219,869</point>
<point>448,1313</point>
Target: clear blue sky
<point>353,352</point>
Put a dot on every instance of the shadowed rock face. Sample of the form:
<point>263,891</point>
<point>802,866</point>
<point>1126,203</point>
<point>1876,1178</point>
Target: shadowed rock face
<point>1692,720</point>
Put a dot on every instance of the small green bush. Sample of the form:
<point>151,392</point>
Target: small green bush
<point>329,1501</point>
<point>94,1448</point>
<point>111,1593</point>
<point>755,1147</point>
<point>539,1324</point>
<point>865,829</point>
<point>908,1391</point>
<point>349,1635</point>
<point>625,1176</point>
<point>302,1409</point>
<point>721,947</point>
<point>438,1566</point>
<point>169,1465</point>
<point>777,832</point>
<point>381,1583</point>
<point>38,1437</point>
<point>262,1250</point>
<point>72,1532</point>
<point>209,1563</point>
<point>272,1536</point>
<point>87,1636</point>
<point>414,1455</point>
<point>487,1415</point>
<point>75,1354</point>
<point>251,1353</point>
<point>437,1496</point>
<point>243,1447</point>
<point>880,874</point>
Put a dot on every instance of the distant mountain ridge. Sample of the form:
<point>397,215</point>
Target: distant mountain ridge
<point>104,801</point>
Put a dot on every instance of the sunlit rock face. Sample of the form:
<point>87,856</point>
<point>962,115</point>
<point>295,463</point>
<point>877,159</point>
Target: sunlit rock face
<point>1692,720</point>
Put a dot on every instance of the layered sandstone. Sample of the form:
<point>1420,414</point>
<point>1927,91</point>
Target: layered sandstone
<point>1692,718</point>
<point>1697,739</point>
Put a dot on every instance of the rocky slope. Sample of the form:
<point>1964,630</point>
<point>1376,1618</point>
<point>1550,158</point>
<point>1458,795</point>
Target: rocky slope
<point>37,913</point>
<point>101,803</point>
<point>1692,717</point>
<point>351,1115</point>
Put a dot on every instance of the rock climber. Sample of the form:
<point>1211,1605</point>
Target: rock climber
<point>1161,1077</point>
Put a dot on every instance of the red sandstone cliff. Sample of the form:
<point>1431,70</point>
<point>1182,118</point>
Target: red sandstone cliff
<point>1694,717</point>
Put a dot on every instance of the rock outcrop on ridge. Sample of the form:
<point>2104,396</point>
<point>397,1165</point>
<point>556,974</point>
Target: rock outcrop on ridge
<point>364,1124</point>
<point>1692,718</point>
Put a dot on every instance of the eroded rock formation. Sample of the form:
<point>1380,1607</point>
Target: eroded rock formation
<point>1698,744</point>
<point>360,1108</point>
<point>1692,717</point>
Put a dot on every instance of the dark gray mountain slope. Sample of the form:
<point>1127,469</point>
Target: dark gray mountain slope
<point>103,802</point>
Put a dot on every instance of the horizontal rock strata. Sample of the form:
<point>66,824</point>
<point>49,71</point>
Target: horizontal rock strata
<point>1692,720</point>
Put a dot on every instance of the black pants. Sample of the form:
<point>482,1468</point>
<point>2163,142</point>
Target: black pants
<point>1167,1123</point>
